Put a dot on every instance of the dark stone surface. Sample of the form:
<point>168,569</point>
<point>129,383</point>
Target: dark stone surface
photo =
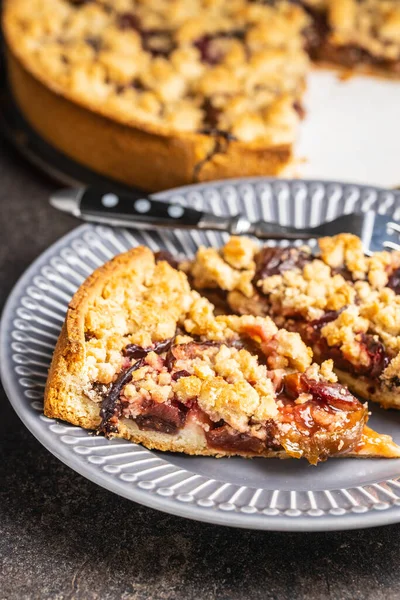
<point>63,537</point>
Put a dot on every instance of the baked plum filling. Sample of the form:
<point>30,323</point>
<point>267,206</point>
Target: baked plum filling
<point>318,419</point>
<point>164,255</point>
<point>394,281</point>
<point>275,261</point>
<point>171,386</point>
<point>315,33</point>
<point>162,417</point>
<point>351,56</point>
<point>372,360</point>
<point>224,437</point>
<point>211,116</point>
<point>135,351</point>
<point>208,45</point>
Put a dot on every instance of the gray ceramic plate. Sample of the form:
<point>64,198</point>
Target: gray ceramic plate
<point>261,494</point>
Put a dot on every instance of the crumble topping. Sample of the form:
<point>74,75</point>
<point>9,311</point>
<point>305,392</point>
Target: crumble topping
<point>239,252</point>
<point>371,25</point>
<point>351,301</point>
<point>235,402</point>
<point>344,251</point>
<point>326,371</point>
<point>234,67</point>
<point>210,269</point>
<point>309,293</point>
<point>142,308</point>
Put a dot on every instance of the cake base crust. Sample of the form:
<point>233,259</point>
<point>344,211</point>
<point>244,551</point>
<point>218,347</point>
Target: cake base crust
<point>366,389</point>
<point>131,155</point>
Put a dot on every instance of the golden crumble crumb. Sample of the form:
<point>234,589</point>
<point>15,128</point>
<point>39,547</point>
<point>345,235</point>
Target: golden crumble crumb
<point>326,371</point>
<point>344,250</point>
<point>211,270</point>
<point>232,402</point>
<point>239,252</point>
<point>187,388</point>
<point>287,349</point>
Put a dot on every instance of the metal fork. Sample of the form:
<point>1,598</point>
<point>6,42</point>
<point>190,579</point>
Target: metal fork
<point>377,232</point>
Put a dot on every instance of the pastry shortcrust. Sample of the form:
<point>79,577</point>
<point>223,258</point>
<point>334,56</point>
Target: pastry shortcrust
<point>142,356</point>
<point>345,305</point>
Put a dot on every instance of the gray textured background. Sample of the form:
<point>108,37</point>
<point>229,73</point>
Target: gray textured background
<point>63,537</point>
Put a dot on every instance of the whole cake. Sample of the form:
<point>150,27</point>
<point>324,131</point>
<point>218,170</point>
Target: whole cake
<point>168,92</point>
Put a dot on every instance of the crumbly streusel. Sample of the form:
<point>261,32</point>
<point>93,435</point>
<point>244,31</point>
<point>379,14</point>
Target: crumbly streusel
<point>227,383</point>
<point>371,25</point>
<point>143,309</point>
<point>359,293</point>
<point>217,358</point>
<point>234,67</point>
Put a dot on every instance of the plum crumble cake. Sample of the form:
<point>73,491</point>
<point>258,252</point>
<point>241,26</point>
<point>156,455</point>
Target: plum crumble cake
<point>205,88</point>
<point>199,89</point>
<point>345,305</point>
<point>142,356</point>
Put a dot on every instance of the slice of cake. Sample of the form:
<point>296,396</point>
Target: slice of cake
<point>142,356</point>
<point>345,305</point>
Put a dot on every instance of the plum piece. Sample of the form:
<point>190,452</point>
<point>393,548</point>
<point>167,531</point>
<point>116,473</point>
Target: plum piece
<point>275,261</point>
<point>135,351</point>
<point>394,281</point>
<point>226,439</point>
<point>318,419</point>
<point>164,255</point>
<point>111,403</point>
<point>161,416</point>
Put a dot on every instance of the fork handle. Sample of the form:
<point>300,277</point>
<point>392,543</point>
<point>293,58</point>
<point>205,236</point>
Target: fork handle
<point>148,213</point>
<point>274,231</point>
